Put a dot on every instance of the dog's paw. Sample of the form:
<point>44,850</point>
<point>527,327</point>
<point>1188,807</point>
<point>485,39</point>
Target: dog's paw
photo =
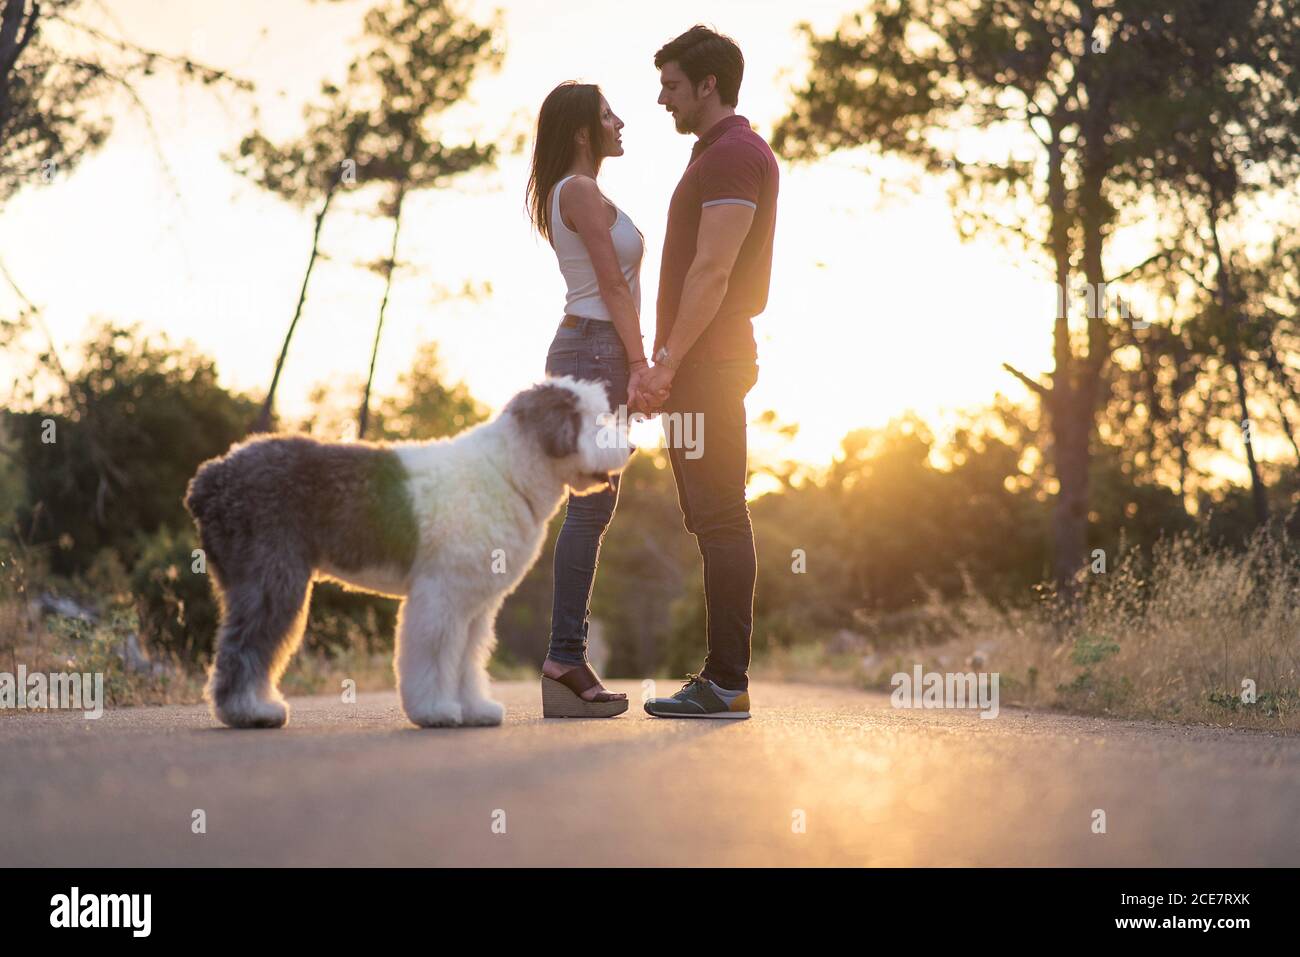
<point>249,712</point>
<point>440,714</point>
<point>484,712</point>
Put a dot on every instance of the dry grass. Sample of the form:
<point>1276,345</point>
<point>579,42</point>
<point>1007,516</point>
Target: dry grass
<point>1172,637</point>
<point>66,644</point>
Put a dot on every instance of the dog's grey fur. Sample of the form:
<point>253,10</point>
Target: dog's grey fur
<point>551,412</point>
<point>270,513</point>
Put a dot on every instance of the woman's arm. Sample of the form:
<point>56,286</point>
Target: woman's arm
<point>582,205</point>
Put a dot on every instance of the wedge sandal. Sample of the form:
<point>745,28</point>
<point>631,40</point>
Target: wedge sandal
<point>562,697</point>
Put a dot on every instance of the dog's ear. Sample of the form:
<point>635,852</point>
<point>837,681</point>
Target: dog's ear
<point>550,412</point>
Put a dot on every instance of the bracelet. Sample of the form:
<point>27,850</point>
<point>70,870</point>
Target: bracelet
<point>638,362</point>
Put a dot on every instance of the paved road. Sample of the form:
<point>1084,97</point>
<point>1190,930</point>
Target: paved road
<point>354,784</point>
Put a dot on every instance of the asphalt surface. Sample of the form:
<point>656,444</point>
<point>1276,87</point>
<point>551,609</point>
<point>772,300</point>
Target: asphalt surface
<point>819,776</point>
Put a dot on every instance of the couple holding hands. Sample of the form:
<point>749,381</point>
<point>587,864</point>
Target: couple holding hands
<point>713,280</point>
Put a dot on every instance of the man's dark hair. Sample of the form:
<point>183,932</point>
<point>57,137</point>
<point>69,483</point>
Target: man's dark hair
<point>702,52</point>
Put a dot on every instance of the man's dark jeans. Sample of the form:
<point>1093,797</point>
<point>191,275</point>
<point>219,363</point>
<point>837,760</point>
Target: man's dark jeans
<point>711,491</point>
<point>591,350</point>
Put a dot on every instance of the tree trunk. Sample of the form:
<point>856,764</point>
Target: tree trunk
<point>17,27</point>
<point>1069,441</point>
<point>1068,411</point>
<point>263,422</point>
<point>1070,518</point>
<point>1081,415</point>
<point>1256,483</point>
<point>1274,365</point>
<point>1228,304</point>
<point>390,268</point>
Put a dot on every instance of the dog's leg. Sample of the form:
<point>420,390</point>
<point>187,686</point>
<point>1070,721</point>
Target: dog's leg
<point>261,626</point>
<point>431,642</point>
<point>476,703</point>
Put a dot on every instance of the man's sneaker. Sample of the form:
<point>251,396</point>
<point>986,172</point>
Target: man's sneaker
<point>697,699</point>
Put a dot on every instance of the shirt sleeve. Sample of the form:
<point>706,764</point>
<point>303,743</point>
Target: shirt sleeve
<point>731,173</point>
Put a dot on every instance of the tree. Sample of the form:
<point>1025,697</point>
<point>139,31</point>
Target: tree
<point>53,68</point>
<point>424,58</point>
<point>107,460</point>
<point>425,405</point>
<point>419,59</point>
<point>1255,124</point>
<point>307,171</point>
<point>1067,79</point>
<point>46,86</point>
<point>1219,131</point>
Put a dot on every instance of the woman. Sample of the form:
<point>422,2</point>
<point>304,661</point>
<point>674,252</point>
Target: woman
<point>599,252</point>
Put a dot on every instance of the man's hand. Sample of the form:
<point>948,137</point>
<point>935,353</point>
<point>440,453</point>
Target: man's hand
<point>655,386</point>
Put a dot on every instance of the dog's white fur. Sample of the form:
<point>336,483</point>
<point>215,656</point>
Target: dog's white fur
<point>471,522</point>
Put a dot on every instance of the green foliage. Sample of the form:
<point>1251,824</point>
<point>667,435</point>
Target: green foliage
<point>11,478</point>
<point>1076,123</point>
<point>687,636</point>
<point>1095,692</point>
<point>1270,704</point>
<point>1090,649</point>
<point>44,125</point>
<point>97,648</point>
<point>887,523</point>
<point>426,406</point>
<point>108,459</point>
<point>174,604</point>
<point>341,620</point>
<point>647,563</point>
<point>418,58</point>
<point>47,88</point>
<point>380,128</point>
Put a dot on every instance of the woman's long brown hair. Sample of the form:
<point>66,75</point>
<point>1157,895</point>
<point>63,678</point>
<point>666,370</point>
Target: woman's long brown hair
<point>568,108</point>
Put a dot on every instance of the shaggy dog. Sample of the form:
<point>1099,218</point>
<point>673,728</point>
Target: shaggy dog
<point>449,526</point>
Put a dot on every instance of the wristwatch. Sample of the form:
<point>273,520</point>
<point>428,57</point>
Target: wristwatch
<point>662,358</point>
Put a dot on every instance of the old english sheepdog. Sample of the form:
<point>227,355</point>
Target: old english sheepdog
<point>449,526</point>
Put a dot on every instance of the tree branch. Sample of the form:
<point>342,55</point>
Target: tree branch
<point>1042,390</point>
<point>208,74</point>
<point>1155,257</point>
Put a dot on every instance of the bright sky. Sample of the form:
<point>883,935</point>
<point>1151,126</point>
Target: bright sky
<point>875,306</point>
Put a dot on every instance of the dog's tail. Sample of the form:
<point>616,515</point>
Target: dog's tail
<point>205,499</point>
<point>202,490</point>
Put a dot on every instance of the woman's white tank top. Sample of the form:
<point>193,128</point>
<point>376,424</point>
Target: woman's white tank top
<point>584,297</point>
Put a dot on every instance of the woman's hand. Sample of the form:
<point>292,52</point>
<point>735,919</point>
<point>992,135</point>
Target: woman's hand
<point>635,402</point>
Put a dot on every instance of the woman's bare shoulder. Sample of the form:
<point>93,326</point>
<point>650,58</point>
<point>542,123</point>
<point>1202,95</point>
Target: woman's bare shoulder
<point>582,196</point>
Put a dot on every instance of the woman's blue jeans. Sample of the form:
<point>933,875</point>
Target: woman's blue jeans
<point>590,350</point>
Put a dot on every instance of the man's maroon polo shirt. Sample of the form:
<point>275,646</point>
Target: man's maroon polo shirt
<point>729,164</point>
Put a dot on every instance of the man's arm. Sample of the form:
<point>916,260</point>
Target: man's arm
<point>723,229</point>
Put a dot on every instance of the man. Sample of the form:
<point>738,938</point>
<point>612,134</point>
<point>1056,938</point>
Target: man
<point>713,280</point>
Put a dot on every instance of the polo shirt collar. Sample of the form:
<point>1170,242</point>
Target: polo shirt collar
<point>716,130</point>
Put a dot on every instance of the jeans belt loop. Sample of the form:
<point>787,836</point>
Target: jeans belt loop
<point>580,323</point>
